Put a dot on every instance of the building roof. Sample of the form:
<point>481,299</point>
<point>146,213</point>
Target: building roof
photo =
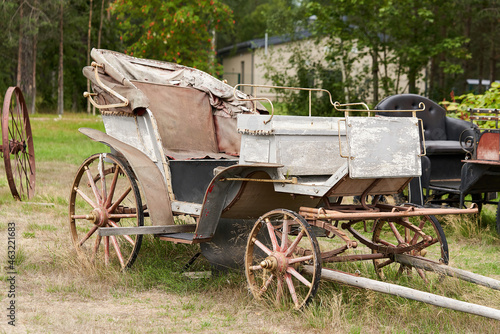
<point>261,42</point>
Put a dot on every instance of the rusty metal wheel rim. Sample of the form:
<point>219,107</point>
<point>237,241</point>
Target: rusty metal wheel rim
<point>105,194</point>
<point>279,244</point>
<point>437,250</point>
<point>17,145</point>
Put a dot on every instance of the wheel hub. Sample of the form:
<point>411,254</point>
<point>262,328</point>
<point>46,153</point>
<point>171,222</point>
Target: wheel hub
<point>276,261</point>
<point>16,146</point>
<point>99,217</point>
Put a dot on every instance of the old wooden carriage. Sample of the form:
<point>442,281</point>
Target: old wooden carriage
<point>260,191</point>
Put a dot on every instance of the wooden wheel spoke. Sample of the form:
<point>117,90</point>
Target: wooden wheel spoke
<point>279,288</point>
<point>422,223</point>
<point>97,243</point>
<point>88,235</point>
<point>407,235</point>
<point>416,236</point>
<point>116,246</point>
<point>126,237</point>
<point>298,276</point>
<point>301,259</point>
<point>86,198</point>
<point>119,200</point>
<point>432,242</point>
<point>112,187</point>
<point>422,274</point>
<point>386,243</point>
<point>385,263</point>
<point>262,247</point>
<point>284,235</point>
<point>291,288</point>
<point>93,185</point>
<point>266,284</point>
<point>398,236</point>
<point>272,235</point>
<point>122,215</point>
<point>106,250</point>
<point>103,179</point>
<point>257,267</point>
<point>294,244</point>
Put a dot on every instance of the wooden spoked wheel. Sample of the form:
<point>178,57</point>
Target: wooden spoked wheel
<point>432,244</point>
<point>280,243</point>
<point>105,194</point>
<point>17,145</point>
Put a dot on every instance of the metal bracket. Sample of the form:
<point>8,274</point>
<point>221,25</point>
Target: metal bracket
<point>340,141</point>
<point>423,137</point>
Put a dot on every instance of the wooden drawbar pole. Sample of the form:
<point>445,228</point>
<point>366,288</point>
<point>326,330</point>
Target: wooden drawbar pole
<point>401,291</point>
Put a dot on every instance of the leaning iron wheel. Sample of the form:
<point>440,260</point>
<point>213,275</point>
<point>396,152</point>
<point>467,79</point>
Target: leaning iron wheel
<point>431,244</point>
<point>105,194</point>
<point>17,145</point>
<point>281,242</point>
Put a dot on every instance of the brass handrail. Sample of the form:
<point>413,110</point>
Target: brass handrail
<point>338,106</point>
<point>87,95</point>
<point>277,87</point>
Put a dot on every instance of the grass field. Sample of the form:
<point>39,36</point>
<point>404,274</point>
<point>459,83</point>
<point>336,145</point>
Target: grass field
<point>56,291</point>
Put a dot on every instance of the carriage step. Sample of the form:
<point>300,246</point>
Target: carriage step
<point>182,238</point>
<point>159,229</point>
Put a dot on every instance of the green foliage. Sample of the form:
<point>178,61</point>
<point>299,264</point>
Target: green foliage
<point>178,31</point>
<point>460,105</point>
<point>400,37</point>
<point>254,18</point>
<point>306,73</point>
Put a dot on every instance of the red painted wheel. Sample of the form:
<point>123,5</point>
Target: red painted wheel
<point>105,194</point>
<point>280,243</point>
<point>428,234</point>
<point>17,145</point>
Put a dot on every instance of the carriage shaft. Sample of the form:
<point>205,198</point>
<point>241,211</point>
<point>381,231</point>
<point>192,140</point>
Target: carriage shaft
<point>405,292</point>
<point>446,270</point>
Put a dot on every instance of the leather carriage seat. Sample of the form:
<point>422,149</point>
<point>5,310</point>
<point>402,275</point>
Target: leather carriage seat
<point>442,134</point>
<point>187,125</point>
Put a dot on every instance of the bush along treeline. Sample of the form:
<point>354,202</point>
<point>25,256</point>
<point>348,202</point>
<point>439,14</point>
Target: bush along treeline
<point>46,43</point>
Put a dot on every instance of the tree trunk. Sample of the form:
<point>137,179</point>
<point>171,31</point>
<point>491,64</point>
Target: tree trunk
<point>100,25</point>
<point>374,55</point>
<point>412,79</point>
<point>60,96</point>
<point>467,64</point>
<point>432,79</point>
<point>481,66</point>
<point>493,63</point>
<point>20,47</point>
<point>35,41</point>
<point>33,91</point>
<point>88,52</point>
